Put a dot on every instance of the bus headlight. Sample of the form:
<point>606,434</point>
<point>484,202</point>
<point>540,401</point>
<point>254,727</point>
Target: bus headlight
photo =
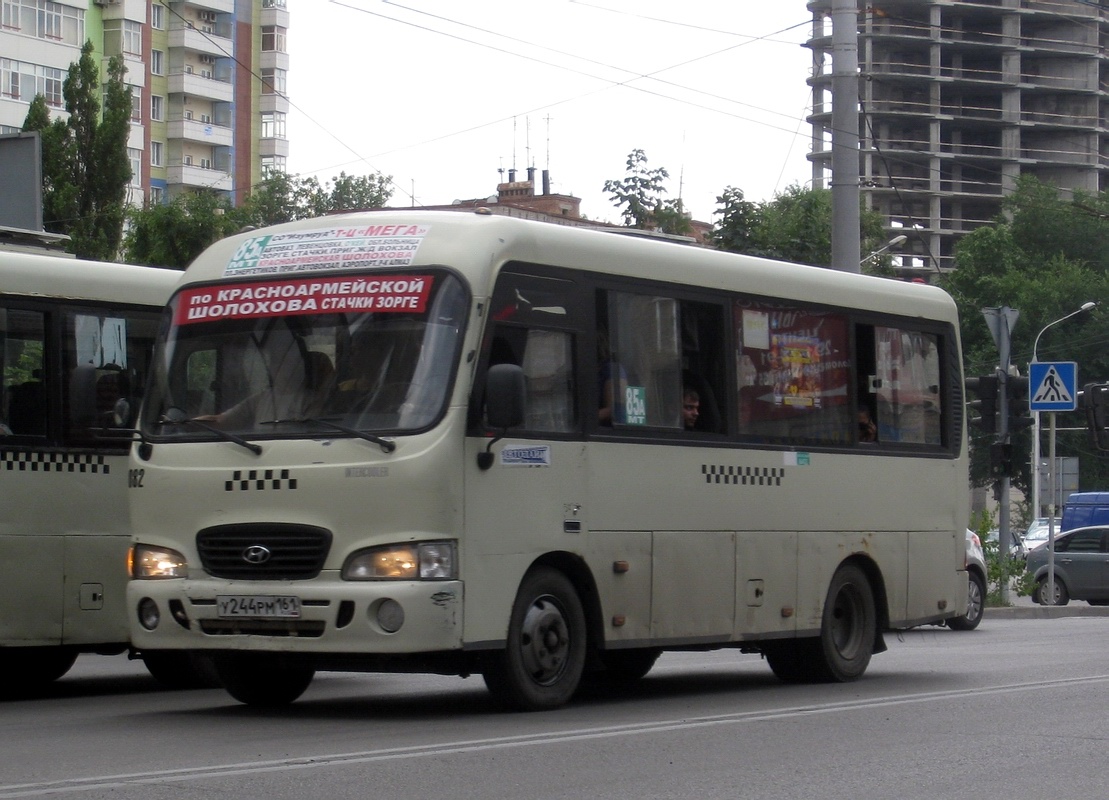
<point>148,561</point>
<point>427,561</point>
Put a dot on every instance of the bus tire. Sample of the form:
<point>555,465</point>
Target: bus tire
<point>544,656</point>
<point>625,666</point>
<point>35,666</point>
<point>254,679</point>
<point>181,669</point>
<point>848,627</point>
<point>791,660</point>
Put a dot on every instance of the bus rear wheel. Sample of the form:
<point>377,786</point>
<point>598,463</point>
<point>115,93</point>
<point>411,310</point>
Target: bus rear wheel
<point>254,679</point>
<point>848,627</point>
<point>544,656</point>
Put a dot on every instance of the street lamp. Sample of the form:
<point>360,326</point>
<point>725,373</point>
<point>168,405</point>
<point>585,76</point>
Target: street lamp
<point>1036,414</point>
<point>896,241</point>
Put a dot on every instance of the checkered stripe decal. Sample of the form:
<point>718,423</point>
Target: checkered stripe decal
<point>259,479</point>
<point>743,476</point>
<point>31,461</point>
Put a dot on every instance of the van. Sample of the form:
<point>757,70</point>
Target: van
<point>1085,508</point>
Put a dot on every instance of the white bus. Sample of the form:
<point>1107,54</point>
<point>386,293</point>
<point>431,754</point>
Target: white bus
<point>75,344</point>
<point>465,444</point>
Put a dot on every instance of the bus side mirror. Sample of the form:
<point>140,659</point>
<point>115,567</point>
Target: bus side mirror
<point>505,396</point>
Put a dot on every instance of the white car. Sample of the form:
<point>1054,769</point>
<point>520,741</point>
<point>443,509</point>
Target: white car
<point>976,586</point>
<point>1037,533</point>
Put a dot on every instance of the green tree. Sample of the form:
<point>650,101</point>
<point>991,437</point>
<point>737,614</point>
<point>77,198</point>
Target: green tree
<point>284,198</point>
<point>639,195</point>
<point>175,233</point>
<point>85,164</point>
<point>795,226</point>
<point>1044,257</point>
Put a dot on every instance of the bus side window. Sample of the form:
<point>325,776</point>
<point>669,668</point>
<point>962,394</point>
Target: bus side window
<point>23,400</point>
<point>546,357</point>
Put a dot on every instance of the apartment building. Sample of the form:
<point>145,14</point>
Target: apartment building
<point>959,98</point>
<point>208,81</point>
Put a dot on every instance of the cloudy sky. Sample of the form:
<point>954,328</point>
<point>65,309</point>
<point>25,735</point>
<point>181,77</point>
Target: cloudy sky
<point>442,95</point>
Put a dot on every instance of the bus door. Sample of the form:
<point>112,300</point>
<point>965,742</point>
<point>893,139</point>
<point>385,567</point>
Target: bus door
<point>529,501</point>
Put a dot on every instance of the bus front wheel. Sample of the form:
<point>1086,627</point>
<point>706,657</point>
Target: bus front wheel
<point>36,666</point>
<point>544,656</point>
<point>254,679</point>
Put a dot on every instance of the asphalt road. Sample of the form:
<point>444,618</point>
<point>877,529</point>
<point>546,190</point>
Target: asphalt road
<point>1016,708</point>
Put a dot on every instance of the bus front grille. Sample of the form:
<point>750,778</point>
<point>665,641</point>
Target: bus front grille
<point>302,629</point>
<point>263,551</point>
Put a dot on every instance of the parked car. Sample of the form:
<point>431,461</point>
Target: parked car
<point>976,586</point>
<point>1037,533</point>
<point>1017,548</point>
<point>1081,568</point>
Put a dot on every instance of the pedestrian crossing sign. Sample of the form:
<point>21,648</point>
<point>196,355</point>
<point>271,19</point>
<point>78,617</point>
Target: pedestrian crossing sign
<point>1052,386</point>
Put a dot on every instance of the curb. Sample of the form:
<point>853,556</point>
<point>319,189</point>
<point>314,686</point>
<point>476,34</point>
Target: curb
<point>1044,612</point>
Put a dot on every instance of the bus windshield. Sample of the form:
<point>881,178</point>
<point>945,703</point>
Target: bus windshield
<point>305,357</point>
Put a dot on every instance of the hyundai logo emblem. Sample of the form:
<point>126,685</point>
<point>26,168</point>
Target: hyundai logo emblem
<point>257,554</point>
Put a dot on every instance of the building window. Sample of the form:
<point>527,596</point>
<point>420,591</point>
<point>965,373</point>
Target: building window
<point>49,85</point>
<point>205,163</point>
<point>156,149</point>
<point>273,3</point>
<point>157,107</point>
<point>157,196</point>
<point>158,18</point>
<point>273,125</point>
<point>157,62</point>
<point>132,38</point>
<point>44,19</point>
<point>273,80</point>
<point>134,158</point>
<point>136,104</point>
<point>272,165</point>
<point>273,39</point>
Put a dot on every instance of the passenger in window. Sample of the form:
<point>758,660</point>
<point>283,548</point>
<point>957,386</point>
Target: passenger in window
<point>612,381</point>
<point>691,408</point>
<point>868,431</point>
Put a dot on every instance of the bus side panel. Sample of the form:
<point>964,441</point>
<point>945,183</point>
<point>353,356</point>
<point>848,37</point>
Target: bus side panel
<point>31,590</point>
<point>693,586</point>
<point>928,555</point>
<point>621,565</point>
<point>95,589</point>
<point>766,589</point>
<point>515,514</point>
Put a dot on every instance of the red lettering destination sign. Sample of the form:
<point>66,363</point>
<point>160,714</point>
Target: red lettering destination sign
<point>389,293</point>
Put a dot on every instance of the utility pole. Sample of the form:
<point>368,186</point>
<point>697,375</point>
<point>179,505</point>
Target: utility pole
<point>1001,322</point>
<point>846,250</point>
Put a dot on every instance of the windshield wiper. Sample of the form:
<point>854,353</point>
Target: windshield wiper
<point>386,445</point>
<point>229,437</point>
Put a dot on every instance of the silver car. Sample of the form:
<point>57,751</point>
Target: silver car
<point>1081,568</point>
<point>976,586</point>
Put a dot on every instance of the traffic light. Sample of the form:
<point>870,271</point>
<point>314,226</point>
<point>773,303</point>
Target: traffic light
<point>984,388</point>
<point>1001,460</point>
<point>1016,397</point>
<point>1095,401</point>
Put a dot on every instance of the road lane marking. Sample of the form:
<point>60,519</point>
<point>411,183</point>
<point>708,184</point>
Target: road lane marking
<point>168,776</point>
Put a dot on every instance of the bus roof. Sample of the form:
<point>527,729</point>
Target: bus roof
<point>36,275</point>
<point>478,243</point>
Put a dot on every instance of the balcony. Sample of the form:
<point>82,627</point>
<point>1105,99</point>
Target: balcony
<point>214,40</point>
<point>199,177</point>
<point>198,85</point>
<point>205,133</point>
